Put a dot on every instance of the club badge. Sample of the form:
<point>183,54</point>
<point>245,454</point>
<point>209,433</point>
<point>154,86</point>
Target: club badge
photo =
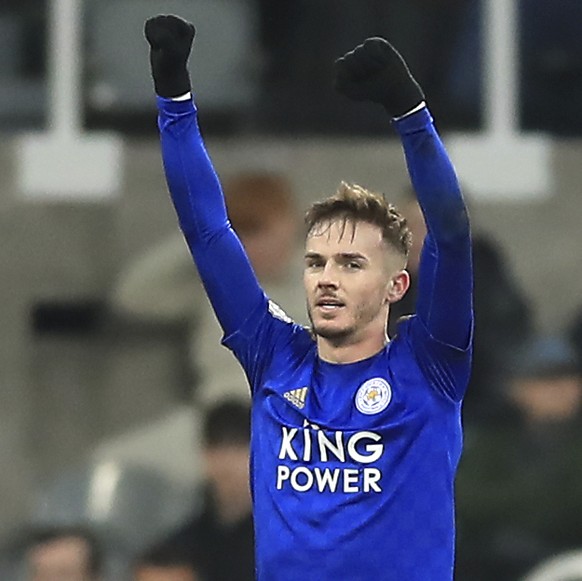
<point>373,396</point>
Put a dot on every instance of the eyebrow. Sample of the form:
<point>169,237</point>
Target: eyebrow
<point>353,256</point>
<point>344,255</point>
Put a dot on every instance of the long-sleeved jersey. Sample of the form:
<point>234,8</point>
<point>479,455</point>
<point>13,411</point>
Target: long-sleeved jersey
<point>352,465</point>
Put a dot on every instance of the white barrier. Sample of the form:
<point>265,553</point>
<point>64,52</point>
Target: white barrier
<point>563,567</point>
<point>64,162</point>
<point>501,162</point>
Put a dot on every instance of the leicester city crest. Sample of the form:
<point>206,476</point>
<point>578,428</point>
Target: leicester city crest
<point>373,396</point>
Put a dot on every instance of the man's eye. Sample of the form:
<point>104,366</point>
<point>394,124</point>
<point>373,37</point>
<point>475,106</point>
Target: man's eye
<point>354,265</point>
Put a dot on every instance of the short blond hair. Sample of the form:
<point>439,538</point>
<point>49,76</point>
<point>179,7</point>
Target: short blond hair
<point>352,204</point>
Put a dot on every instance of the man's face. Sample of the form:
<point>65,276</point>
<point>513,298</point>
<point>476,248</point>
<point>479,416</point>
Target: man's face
<point>548,400</point>
<point>170,573</point>
<point>227,469</point>
<point>269,245</point>
<point>347,278</point>
<point>63,559</point>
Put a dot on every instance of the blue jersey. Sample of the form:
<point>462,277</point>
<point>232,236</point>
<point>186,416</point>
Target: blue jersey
<point>352,465</point>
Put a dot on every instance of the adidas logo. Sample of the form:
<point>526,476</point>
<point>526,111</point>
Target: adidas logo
<point>297,397</point>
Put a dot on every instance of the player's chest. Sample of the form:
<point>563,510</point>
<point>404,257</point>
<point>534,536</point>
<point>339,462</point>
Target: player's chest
<point>376,399</point>
<point>315,433</point>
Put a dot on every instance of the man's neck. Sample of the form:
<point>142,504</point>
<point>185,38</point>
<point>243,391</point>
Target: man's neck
<point>350,352</point>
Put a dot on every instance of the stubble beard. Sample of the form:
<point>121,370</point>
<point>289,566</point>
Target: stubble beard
<point>340,335</point>
<point>336,335</point>
<point>324,333</point>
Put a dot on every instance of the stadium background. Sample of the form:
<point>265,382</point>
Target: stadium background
<point>72,380</point>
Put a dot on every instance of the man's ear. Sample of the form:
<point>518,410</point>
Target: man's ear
<point>398,285</point>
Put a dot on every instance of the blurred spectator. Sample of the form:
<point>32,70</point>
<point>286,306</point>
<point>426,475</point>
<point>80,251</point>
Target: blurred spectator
<point>218,541</point>
<point>163,565</point>
<point>502,318</point>
<point>63,554</point>
<point>518,487</point>
<point>163,285</point>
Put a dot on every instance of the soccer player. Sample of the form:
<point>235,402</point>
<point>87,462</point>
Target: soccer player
<point>355,437</point>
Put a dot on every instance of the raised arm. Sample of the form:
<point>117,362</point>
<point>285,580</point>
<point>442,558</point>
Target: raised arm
<point>375,71</point>
<point>445,280</point>
<point>195,189</point>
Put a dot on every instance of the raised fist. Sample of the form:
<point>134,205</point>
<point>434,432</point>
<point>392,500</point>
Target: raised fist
<point>375,71</point>
<point>170,39</point>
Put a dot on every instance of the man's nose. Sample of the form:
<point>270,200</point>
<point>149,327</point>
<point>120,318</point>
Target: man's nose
<point>328,277</point>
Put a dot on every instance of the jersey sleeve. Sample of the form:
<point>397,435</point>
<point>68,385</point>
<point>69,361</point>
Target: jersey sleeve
<point>269,342</point>
<point>443,327</point>
<point>222,263</point>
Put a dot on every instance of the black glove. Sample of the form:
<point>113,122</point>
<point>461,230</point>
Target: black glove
<point>170,39</point>
<point>375,71</point>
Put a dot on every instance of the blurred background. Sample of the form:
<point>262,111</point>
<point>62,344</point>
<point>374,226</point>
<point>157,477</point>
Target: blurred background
<point>109,366</point>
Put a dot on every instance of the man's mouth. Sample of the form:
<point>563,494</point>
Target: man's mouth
<point>329,304</point>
